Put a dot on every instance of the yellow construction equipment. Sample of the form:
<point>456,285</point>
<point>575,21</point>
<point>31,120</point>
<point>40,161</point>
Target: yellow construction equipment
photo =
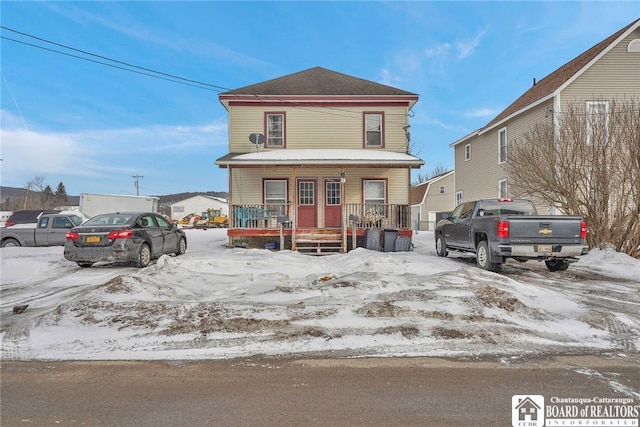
<point>211,218</point>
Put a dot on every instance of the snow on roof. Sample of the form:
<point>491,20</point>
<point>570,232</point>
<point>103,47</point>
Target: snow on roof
<point>320,156</point>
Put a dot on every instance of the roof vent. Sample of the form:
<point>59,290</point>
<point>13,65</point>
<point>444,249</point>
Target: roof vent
<point>634,46</point>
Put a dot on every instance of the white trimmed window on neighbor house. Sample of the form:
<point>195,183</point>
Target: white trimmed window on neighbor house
<point>502,145</point>
<point>373,136</point>
<point>467,152</point>
<point>458,197</point>
<point>597,122</point>
<point>275,130</point>
<point>503,191</point>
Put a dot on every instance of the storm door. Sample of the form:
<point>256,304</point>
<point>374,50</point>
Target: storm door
<point>332,203</point>
<point>307,209</point>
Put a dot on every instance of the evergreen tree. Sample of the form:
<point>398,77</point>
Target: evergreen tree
<point>61,195</point>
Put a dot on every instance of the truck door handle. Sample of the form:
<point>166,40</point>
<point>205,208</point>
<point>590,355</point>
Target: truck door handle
<point>545,225</point>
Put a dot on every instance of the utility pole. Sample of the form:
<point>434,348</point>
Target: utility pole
<point>137,178</point>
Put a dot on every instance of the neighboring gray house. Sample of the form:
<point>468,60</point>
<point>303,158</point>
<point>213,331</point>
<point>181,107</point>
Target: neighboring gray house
<point>430,198</point>
<point>198,204</point>
<point>608,70</point>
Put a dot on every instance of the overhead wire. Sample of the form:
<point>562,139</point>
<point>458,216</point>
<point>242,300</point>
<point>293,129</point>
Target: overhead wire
<point>167,76</point>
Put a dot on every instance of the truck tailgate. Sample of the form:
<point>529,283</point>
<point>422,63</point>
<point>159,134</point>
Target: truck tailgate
<point>543,229</point>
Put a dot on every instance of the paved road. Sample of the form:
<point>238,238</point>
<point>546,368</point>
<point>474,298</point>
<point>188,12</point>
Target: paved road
<point>300,392</point>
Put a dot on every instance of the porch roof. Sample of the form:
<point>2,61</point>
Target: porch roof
<point>308,156</point>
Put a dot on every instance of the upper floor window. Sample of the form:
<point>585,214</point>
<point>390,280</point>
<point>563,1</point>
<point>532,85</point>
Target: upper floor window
<point>467,152</point>
<point>597,122</point>
<point>373,130</point>
<point>503,191</point>
<point>442,189</point>
<point>502,145</point>
<point>275,130</point>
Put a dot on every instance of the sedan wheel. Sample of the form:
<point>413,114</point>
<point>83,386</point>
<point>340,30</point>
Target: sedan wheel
<point>182,246</point>
<point>85,264</point>
<point>144,256</point>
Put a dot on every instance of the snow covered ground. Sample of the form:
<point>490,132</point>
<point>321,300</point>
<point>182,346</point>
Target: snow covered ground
<point>215,303</point>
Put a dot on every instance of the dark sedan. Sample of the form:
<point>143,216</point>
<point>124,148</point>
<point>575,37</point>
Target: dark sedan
<point>136,237</point>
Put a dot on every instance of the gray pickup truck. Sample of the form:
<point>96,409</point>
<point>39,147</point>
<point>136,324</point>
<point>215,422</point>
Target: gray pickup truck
<point>497,229</point>
<point>50,230</point>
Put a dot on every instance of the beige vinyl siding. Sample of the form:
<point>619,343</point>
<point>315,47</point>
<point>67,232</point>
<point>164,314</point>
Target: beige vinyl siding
<point>246,183</point>
<point>616,74</point>
<point>436,202</point>
<point>478,178</point>
<point>317,127</point>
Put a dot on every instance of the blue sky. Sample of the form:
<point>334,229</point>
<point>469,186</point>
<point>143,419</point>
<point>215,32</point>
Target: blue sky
<point>93,127</point>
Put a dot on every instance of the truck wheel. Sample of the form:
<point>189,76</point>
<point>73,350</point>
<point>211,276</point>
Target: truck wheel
<point>441,246</point>
<point>557,265</point>
<point>10,243</point>
<point>482,256</point>
<point>182,246</point>
<point>144,256</point>
<point>85,264</point>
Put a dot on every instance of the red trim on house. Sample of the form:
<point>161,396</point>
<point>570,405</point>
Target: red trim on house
<point>258,232</point>
<point>302,103</point>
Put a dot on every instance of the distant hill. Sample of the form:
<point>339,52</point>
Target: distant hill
<point>164,201</point>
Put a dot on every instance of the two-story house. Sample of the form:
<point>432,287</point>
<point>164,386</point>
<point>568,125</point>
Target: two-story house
<point>609,70</point>
<point>317,158</point>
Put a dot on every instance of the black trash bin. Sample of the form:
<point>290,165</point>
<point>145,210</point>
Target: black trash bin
<point>373,239</point>
<point>390,236</point>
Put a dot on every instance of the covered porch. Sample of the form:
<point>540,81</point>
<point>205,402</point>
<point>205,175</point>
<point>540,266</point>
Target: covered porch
<point>274,226</point>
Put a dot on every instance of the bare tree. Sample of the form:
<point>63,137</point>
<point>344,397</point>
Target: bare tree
<point>32,197</point>
<point>438,170</point>
<point>586,161</point>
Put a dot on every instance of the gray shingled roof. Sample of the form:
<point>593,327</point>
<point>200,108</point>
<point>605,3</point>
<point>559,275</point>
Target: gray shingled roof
<point>318,81</point>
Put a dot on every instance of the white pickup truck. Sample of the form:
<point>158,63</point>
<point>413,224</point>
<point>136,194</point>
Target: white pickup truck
<point>50,230</point>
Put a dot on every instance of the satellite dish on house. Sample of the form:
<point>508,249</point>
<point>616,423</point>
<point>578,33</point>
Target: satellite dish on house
<point>256,138</point>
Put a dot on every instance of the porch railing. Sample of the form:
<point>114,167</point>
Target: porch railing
<point>269,216</point>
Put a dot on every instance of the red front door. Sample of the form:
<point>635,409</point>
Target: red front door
<point>307,217</point>
<point>332,203</point>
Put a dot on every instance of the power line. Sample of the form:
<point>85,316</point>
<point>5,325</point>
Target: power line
<point>106,58</point>
<point>169,77</point>
<point>104,63</point>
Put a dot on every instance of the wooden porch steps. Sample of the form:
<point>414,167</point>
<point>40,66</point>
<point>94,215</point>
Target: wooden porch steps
<point>319,242</point>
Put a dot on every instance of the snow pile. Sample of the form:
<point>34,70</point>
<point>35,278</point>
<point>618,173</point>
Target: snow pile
<point>216,302</point>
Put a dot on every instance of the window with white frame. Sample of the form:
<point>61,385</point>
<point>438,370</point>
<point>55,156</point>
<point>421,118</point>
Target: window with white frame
<point>597,122</point>
<point>373,130</point>
<point>467,152</point>
<point>458,197</point>
<point>502,145</point>
<point>275,192</point>
<point>503,191</point>
<point>275,130</point>
<point>374,195</point>
<point>441,189</point>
